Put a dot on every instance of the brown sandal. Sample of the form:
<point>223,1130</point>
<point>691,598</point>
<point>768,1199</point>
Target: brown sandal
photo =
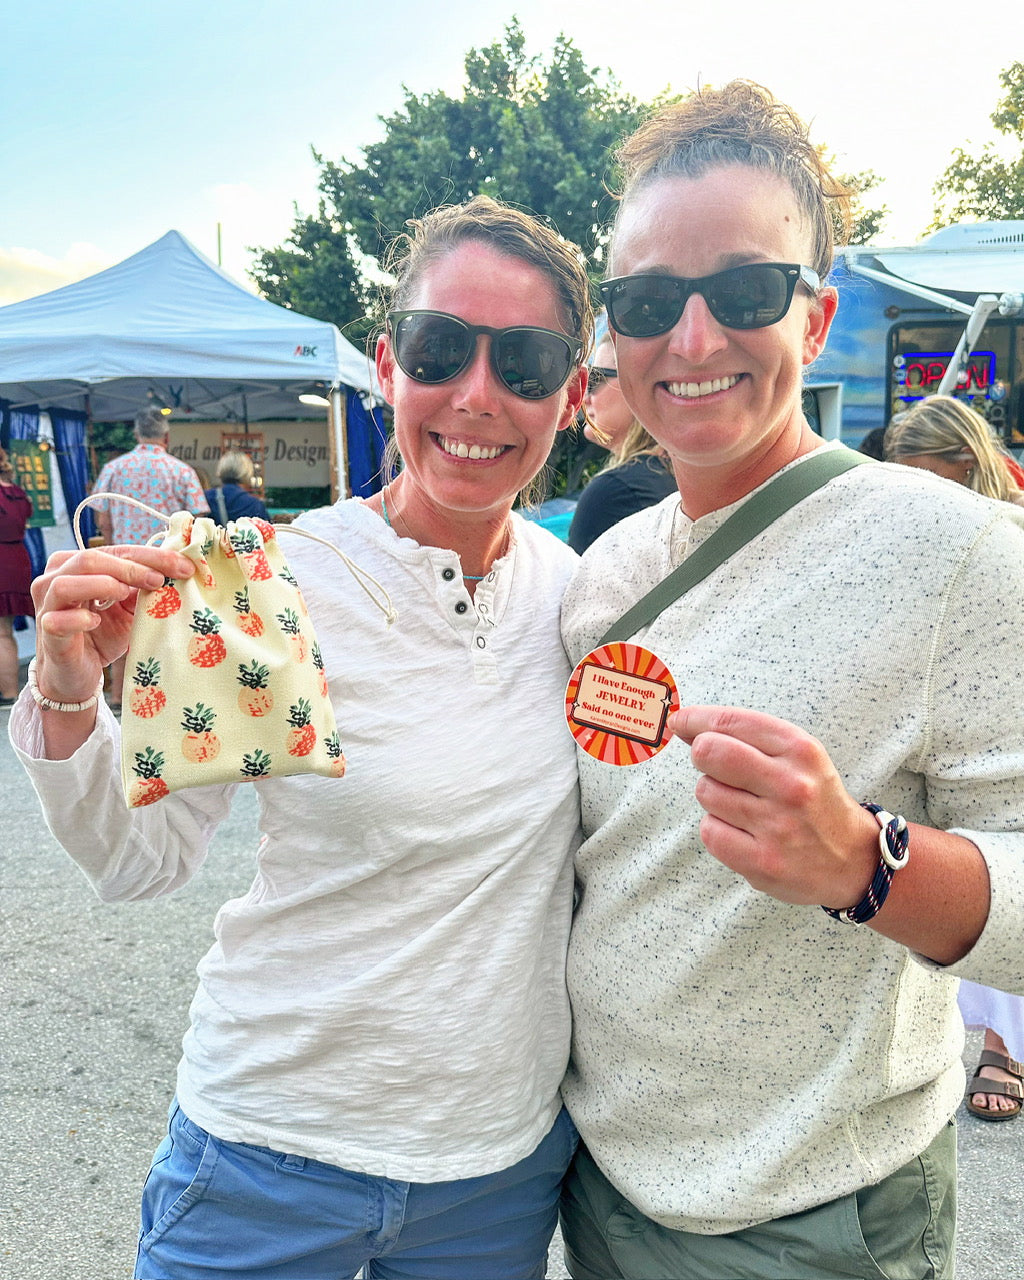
<point>1004,1088</point>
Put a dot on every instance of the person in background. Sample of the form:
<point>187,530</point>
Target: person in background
<point>381,1027</point>
<point>15,575</point>
<point>873,444</point>
<point>151,475</point>
<point>232,496</point>
<point>762,1089</point>
<point>943,435</point>
<point>637,473</point>
<point>947,437</point>
<point>996,1090</point>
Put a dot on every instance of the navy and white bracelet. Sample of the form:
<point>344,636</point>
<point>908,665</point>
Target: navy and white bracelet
<point>894,846</point>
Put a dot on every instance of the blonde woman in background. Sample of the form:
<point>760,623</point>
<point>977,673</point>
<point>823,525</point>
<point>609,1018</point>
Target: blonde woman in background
<point>232,496</point>
<point>637,474</point>
<point>949,438</point>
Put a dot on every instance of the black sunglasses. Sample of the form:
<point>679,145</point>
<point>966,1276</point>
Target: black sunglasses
<point>749,297</point>
<point>432,347</point>
<point>599,374</point>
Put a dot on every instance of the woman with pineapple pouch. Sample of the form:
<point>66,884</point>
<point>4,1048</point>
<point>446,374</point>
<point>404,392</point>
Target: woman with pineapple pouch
<point>370,1079</point>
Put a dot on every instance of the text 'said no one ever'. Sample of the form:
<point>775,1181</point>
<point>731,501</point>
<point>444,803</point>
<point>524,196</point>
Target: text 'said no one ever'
<point>617,703</point>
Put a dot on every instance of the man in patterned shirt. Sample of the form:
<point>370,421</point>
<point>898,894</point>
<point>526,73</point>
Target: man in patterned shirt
<point>151,475</point>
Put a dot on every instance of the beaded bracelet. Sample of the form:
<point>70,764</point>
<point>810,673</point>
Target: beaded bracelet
<point>894,845</point>
<point>49,703</point>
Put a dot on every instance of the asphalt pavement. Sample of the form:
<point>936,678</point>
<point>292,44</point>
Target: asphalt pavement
<point>93,1004</point>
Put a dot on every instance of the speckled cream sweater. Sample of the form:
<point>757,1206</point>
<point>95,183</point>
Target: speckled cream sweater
<point>735,1058</point>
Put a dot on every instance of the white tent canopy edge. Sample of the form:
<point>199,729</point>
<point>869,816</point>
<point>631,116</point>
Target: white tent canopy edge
<point>168,327</point>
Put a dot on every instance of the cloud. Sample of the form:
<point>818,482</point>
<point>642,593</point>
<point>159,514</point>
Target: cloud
<point>24,273</point>
<point>246,217</point>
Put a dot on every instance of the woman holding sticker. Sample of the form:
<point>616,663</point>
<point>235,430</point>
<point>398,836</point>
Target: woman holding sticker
<point>761,1090</point>
<point>371,1076</point>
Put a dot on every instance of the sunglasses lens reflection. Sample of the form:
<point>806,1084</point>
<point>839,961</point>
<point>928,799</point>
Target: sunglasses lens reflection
<point>643,306</point>
<point>432,348</point>
<point>748,297</point>
<point>530,362</point>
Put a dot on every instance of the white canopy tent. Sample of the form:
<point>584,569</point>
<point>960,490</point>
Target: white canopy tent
<point>169,328</point>
<point>166,327</point>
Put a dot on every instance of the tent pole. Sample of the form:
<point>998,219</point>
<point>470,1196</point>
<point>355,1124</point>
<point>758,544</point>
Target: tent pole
<point>89,446</point>
<point>337,428</point>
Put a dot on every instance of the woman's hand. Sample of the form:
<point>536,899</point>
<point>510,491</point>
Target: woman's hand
<point>75,640</point>
<point>776,810</point>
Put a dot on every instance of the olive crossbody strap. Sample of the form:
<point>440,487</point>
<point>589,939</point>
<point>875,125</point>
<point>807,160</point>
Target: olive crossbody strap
<point>755,515</point>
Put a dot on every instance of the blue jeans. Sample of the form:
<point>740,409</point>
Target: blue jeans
<point>215,1209</point>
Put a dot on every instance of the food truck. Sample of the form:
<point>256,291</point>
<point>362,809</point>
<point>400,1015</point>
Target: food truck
<point>945,316</point>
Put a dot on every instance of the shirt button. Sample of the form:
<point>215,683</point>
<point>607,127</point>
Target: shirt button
<point>481,643</point>
<point>447,574</point>
<point>461,606</point>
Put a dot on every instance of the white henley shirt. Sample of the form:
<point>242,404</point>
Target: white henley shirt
<point>389,996</point>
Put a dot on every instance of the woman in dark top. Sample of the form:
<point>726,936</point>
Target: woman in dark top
<point>637,474</point>
<point>15,575</point>
<point>231,498</point>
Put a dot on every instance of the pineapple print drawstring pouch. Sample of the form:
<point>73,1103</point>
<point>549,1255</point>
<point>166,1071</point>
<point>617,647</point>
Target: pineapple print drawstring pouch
<point>224,681</point>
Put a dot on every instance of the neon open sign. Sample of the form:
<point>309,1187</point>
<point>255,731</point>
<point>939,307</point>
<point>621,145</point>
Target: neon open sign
<point>918,373</point>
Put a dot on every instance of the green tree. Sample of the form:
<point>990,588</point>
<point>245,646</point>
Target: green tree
<point>981,184</point>
<point>109,440</point>
<point>532,134</point>
<point>865,222</point>
<point>315,273</point>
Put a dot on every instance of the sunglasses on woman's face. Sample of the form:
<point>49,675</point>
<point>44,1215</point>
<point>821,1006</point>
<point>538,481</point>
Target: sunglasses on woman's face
<point>599,375</point>
<point>749,297</point>
<point>433,347</point>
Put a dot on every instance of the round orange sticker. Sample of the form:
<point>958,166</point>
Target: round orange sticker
<point>617,703</point>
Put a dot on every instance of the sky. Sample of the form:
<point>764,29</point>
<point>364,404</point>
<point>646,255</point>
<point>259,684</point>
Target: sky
<point>121,120</point>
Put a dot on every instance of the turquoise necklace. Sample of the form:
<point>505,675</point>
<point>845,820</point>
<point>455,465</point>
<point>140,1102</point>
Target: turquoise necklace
<point>466,577</point>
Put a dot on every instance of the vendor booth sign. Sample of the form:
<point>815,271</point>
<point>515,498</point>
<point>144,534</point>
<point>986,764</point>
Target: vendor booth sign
<point>31,463</point>
<point>293,454</point>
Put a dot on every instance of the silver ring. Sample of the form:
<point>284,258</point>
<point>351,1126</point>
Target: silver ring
<point>100,605</point>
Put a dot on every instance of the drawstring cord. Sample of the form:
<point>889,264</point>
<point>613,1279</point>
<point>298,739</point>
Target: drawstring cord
<point>365,580</point>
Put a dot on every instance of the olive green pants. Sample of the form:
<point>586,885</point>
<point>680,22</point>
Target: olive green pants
<point>902,1228</point>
